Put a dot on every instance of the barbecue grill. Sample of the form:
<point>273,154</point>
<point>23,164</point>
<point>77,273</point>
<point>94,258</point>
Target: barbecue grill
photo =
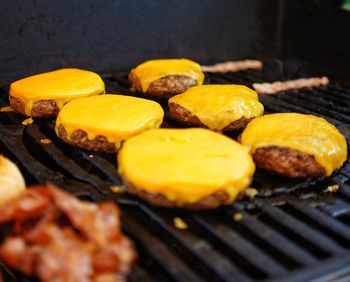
<point>290,231</point>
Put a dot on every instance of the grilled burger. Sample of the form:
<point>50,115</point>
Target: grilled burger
<point>101,123</point>
<point>217,107</point>
<point>43,95</point>
<point>295,145</point>
<point>165,78</point>
<point>191,168</point>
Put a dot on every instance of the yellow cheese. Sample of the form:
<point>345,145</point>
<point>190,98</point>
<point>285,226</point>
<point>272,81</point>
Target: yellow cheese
<point>185,165</point>
<point>117,117</point>
<point>306,133</point>
<point>155,69</point>
<point>216,106</point>
<point>61,86</point>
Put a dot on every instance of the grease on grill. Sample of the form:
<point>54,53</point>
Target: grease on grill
<point>6,109</point>
<point>27,121</point>
<point>179,223</point>
<point>45,141</point>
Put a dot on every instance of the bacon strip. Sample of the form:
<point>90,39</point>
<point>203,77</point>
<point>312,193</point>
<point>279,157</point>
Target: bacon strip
<point>277,86</point>
<point>57,237</point>
<point>233,66</point>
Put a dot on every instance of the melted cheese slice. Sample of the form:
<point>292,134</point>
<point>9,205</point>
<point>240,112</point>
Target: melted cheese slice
<point>155,69</point>
<point>306,133</point>
<point>61,86</point>
<point>185,165</point>
<point>216,106</point>
<point>117,117</point>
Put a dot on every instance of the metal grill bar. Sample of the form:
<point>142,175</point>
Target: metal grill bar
<point>306,232</point>
<point>274,240</point>
<point>238,244</point>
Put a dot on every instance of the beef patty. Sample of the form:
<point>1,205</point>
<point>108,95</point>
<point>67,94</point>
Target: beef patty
<point>80,139</point>
<point>43,108</point>
<point>212,201</point>
<point>165,87</point>
<point>288,162</point>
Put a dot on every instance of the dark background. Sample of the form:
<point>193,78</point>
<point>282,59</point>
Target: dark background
<point>41,35</point>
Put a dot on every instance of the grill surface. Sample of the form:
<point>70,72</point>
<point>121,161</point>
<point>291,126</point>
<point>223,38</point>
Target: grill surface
<point>291,231</point>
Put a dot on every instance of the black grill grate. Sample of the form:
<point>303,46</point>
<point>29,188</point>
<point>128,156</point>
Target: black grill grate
<point>291,231</point>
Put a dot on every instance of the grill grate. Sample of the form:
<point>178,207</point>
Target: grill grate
<point>291,231</point>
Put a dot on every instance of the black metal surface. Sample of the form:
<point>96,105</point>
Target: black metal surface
<point>40,35</point>
<point>291,231</point>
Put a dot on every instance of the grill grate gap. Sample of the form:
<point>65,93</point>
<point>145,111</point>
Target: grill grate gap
<point>309,221</point>
<point>344,218</point>
<point>307,245</point>
<point>267,247</point>
<point>194,250</point>
<point>250,236</point>
<point>248,267</point>
<point>153,256</point>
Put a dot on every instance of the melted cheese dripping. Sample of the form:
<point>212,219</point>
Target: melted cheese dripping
<point>185,165</point>
<point>216,106</point>
<point>60,86</point>
<point>116,117</point>
<point>306,133</point>
<point>155,69</point>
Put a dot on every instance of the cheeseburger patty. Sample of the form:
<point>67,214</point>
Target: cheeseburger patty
<point>102,123</point>
<point>178,168</point>
<point>217,107</point>
<point>44,94</point>
<point>185,117</point>
<point>295,145</point>
<point>165,87</point>
<point>164,78</point>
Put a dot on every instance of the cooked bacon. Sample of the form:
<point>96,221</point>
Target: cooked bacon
<point>106,277</point>
<point>67,239</point>
<point>17,254</point>
<point>273,88</point>
<point>65,257</point>
<point>30,205</point>
<point>100,223</point>
<point>232,66</point>
<point>116,254</point>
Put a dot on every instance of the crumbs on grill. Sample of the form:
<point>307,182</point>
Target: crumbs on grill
<point>45,141</point>
<point>251,193</point>
<point>57,237</point>
<point>233,66</point>
<point>27,121</point>
<point>237,217</point>
<point>179,223</point>
<point>333,188</point>
<point>117,189</point>
<point>277,86</point>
